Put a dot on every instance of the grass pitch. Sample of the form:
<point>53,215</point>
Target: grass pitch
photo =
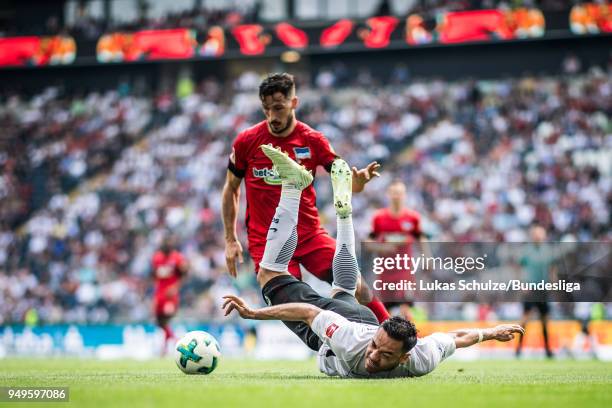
<point>238,383</point>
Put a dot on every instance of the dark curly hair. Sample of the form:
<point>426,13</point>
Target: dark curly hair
<point>283,83</point>
<point>402,330</point>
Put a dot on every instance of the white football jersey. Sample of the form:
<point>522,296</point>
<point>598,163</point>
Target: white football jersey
<point>345,343</point>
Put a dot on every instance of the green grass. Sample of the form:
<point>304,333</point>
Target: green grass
<point>249,384</point>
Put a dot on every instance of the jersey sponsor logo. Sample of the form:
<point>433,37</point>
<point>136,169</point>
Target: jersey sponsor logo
<point>270,176</point>
<point>395,237</point>
<point>302,153</point>
<point>164,271</point>
<point>331,329</point>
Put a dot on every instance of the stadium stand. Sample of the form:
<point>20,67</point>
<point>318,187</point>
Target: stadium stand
<point>482,161</point>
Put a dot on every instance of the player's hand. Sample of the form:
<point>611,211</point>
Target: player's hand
<point>506,332</point>
<point>363,176</point>
<point>237,304</point>
<point>233,252</point>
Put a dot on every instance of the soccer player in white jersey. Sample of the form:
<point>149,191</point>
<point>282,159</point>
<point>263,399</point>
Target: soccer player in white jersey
<point>346,335</point>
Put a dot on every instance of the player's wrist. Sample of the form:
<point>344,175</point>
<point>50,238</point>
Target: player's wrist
<point>488,334</point>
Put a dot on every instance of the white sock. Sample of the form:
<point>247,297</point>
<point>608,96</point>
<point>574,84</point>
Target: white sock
<point>345,234</point>
<point>282,235</point>
<point>344,267</point>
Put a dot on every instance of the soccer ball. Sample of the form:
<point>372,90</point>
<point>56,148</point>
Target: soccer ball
<point>197,353</point>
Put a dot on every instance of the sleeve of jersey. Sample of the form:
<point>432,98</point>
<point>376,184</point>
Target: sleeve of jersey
<point>237,162</point>
<point>324,152</point>
<point>437,348</point>
<point>339,334</point>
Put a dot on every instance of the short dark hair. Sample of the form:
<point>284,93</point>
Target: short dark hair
<point>283,83</point>
<point>402,330</point>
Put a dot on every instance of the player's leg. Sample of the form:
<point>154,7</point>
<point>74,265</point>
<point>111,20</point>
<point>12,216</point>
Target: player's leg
<point>163,322</point>
<point>278,286</point>
<point>527,306</point>
<point>282,238</point>
<point>257,252</point>
<point>543,310</point>
<point>345,270</point>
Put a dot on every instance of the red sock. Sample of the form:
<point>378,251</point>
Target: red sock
<point>168,334</point>
<point>379,310</point>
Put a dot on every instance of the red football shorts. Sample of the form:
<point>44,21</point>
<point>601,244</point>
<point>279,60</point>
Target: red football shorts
<point>165,307</point>
<point>316,254</point>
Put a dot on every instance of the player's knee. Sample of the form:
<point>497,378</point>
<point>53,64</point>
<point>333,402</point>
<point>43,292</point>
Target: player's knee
<point>363,293</point>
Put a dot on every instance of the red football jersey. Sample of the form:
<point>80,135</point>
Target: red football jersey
<point>166,270</point>
<point>405,227</point>
<point>263,186</point>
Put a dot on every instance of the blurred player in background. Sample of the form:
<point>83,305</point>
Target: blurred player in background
<point>397,224</point>
<point>537,262</point>
<point>315,250</point>
<point>169,268</point>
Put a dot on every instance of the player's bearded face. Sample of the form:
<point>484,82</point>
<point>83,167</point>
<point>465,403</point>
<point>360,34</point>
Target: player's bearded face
<point>279,111</point>
<point>384,353</point>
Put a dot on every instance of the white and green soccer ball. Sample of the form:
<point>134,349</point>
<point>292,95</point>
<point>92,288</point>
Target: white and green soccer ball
<point>197,353</point>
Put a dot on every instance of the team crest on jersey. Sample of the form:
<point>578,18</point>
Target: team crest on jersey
<point>407,225</point>
<point>302,153</point>
<point>269,176</point>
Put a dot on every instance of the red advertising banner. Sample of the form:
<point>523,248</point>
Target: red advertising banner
<point>591,18</point>
<point>477,25</point>
<point>178,43</point>
<point>37,51</point>
<point>290,36</point>
<point>378,33</point>
<point>336,34</point>
<point>251,38</point>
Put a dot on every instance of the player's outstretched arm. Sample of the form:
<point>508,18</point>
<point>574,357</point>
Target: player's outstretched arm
<point>292,312</point>
<point>231,200</point>
<point>469,337</point>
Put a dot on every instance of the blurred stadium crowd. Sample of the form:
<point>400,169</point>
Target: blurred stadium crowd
<point>91,183</point>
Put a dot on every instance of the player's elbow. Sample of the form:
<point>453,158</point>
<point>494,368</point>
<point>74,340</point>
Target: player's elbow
<point>310,314</point>
<point>461,343</point>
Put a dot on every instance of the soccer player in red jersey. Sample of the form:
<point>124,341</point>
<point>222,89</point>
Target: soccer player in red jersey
<point>169,267</point>
<point>397,224</point>
<point>315,248</point>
